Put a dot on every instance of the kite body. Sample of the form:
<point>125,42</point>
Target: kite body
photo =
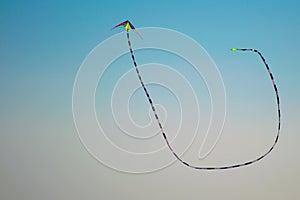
<point>128,27</point>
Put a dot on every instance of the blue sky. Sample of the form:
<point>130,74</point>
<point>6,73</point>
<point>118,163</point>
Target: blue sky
<point>42,41</point>
<point>43,44</point>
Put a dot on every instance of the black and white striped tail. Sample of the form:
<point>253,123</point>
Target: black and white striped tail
<point>165,136</point>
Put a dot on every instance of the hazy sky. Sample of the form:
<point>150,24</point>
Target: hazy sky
<point>44,43</point>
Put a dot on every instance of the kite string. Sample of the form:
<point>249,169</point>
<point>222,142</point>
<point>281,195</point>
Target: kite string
<point>165,136</point>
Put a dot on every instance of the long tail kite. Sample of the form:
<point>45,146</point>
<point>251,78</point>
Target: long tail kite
<point>128,26</point>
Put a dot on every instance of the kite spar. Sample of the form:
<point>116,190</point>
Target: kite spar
<point>128,27</point>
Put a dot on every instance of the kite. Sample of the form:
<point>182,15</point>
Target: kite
<point>128,26</point>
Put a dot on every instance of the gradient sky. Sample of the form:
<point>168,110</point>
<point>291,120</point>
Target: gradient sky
<point>43,44</point>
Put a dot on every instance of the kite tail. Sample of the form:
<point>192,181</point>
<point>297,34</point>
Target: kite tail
<point>165,136</point>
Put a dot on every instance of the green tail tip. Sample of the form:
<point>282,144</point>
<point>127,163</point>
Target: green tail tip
<point>234,49</point>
